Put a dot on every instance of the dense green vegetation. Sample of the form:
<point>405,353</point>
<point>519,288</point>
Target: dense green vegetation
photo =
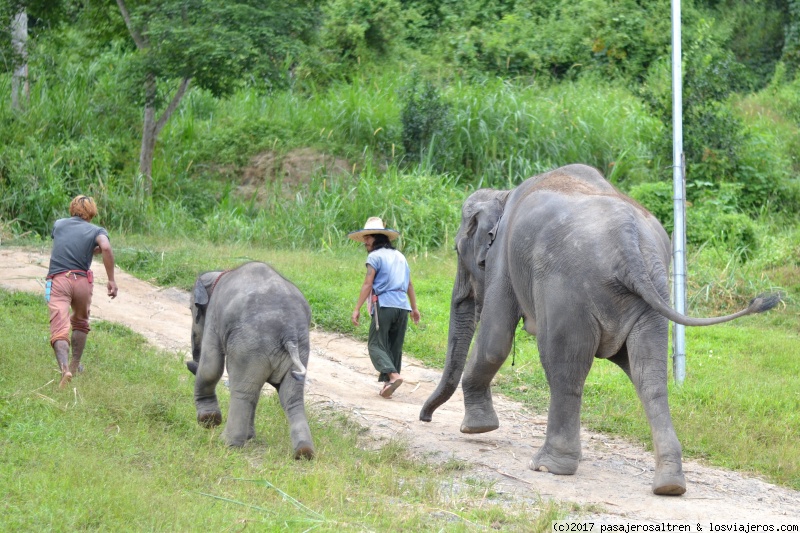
<point>438,95</point>
<point>400,108</point>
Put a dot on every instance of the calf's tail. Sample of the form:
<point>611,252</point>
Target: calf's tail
<point>299,373</point>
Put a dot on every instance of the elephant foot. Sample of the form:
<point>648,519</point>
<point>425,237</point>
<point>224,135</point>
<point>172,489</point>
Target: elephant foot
<point>235,438</point>
<point>209,419</point>
<point>559,464</point>
<point>233,442</point>
<point>479,421</point>
<point>436,400</point>
<point>304,450</point>
<point>669,484</point>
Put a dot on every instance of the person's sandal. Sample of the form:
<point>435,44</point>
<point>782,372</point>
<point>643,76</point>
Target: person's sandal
<point>390,387</point>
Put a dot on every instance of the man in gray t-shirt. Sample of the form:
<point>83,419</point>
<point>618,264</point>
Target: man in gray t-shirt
<point>70,282</point>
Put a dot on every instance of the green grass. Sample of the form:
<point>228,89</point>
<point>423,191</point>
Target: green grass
<point>122,452</point>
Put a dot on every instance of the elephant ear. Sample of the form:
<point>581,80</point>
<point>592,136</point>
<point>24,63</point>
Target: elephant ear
<point>496,210</point>
<point>200,297</point>
<point>492,235</point>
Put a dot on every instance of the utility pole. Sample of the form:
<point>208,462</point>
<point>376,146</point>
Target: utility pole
<point>679,200</point>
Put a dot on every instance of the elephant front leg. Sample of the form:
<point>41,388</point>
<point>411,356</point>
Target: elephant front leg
<point>291,395</point>
<point>491,349</point>
<point>209,372</point>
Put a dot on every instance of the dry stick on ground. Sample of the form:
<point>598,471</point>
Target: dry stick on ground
<point>506,474</point>
<point>403,422</point>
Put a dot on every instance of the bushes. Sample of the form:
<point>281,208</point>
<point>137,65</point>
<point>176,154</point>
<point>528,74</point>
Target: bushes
<point>712,218</point>
<point>657,198</point>
<point>561,39</point>
<point>426,123</point>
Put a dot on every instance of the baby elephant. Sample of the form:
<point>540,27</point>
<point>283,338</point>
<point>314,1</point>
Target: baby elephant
<point>259,321</point>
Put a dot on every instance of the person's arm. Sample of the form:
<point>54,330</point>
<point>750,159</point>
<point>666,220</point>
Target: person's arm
<point>108,262</point>
<point>412,299</point>
<point>366,289</point>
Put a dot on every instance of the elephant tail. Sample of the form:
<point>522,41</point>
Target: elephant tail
<point>642,284</point>
<point>759,304</point>
<point>299,372</point>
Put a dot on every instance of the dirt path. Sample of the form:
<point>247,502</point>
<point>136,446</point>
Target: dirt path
<point>614,475</point>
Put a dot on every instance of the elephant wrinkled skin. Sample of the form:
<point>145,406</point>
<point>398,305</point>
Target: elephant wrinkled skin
<point>259,322</point>
<point>586,268</point>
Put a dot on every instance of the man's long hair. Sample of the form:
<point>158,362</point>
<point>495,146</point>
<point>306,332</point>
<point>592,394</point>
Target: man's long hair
<point>381,241</point>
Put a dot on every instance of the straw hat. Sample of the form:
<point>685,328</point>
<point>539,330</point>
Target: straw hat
<point>371,227</point>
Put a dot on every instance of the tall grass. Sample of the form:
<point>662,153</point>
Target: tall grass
<point>505,133</point>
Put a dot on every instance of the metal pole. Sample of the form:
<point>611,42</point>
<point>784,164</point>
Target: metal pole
<point>679,200</point>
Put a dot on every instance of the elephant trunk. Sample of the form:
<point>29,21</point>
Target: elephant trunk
<point>463,321</point>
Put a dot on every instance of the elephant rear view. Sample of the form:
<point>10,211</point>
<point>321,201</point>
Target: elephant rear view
<point>587,270</point>
<point>256,322</point>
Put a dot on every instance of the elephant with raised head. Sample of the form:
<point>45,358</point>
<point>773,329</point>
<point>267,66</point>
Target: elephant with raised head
<point>587,270</point>
<point>257,322</point>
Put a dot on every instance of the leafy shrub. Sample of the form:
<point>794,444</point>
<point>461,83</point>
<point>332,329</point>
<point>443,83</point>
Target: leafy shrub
<point>424,208</point>
<point>756,35</point>
<point>426,122</point>
<point>731,231</point>
<point>362,28</point>
<point>561,39</point>
<point>711,218</point>
<point>503,133</point>
<point>657,198</point>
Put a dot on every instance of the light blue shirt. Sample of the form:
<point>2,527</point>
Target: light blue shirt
<point>392,277</point>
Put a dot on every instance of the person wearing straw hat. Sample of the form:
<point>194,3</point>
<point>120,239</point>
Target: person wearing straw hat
<point>390,298</point>
<point>70,282</point>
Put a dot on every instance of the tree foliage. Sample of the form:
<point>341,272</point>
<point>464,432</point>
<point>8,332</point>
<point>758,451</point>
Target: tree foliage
<point>215,45</point>
<point>221,45</point>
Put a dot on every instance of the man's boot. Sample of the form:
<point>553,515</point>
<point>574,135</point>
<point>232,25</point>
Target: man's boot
<point>61,348</point>
<point>78,344</point>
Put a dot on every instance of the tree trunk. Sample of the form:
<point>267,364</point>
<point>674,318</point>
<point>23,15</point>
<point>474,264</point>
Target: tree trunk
<point>20,89</point>
<point>152,127</point>
<point>148,135</point>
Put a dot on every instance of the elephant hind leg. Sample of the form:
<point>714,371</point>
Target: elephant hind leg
<point>292,398</point>
<point>647,348</point>
<point>246,381</point>
<point>567,352</point>
<point>621,360</point>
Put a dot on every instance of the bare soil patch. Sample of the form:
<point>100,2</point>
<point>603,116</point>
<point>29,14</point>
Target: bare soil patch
<point>613,480</point>
<point>270,171</point>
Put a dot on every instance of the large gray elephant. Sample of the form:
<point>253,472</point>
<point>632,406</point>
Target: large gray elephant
<point>258,321</point>
<point>586,269</point>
